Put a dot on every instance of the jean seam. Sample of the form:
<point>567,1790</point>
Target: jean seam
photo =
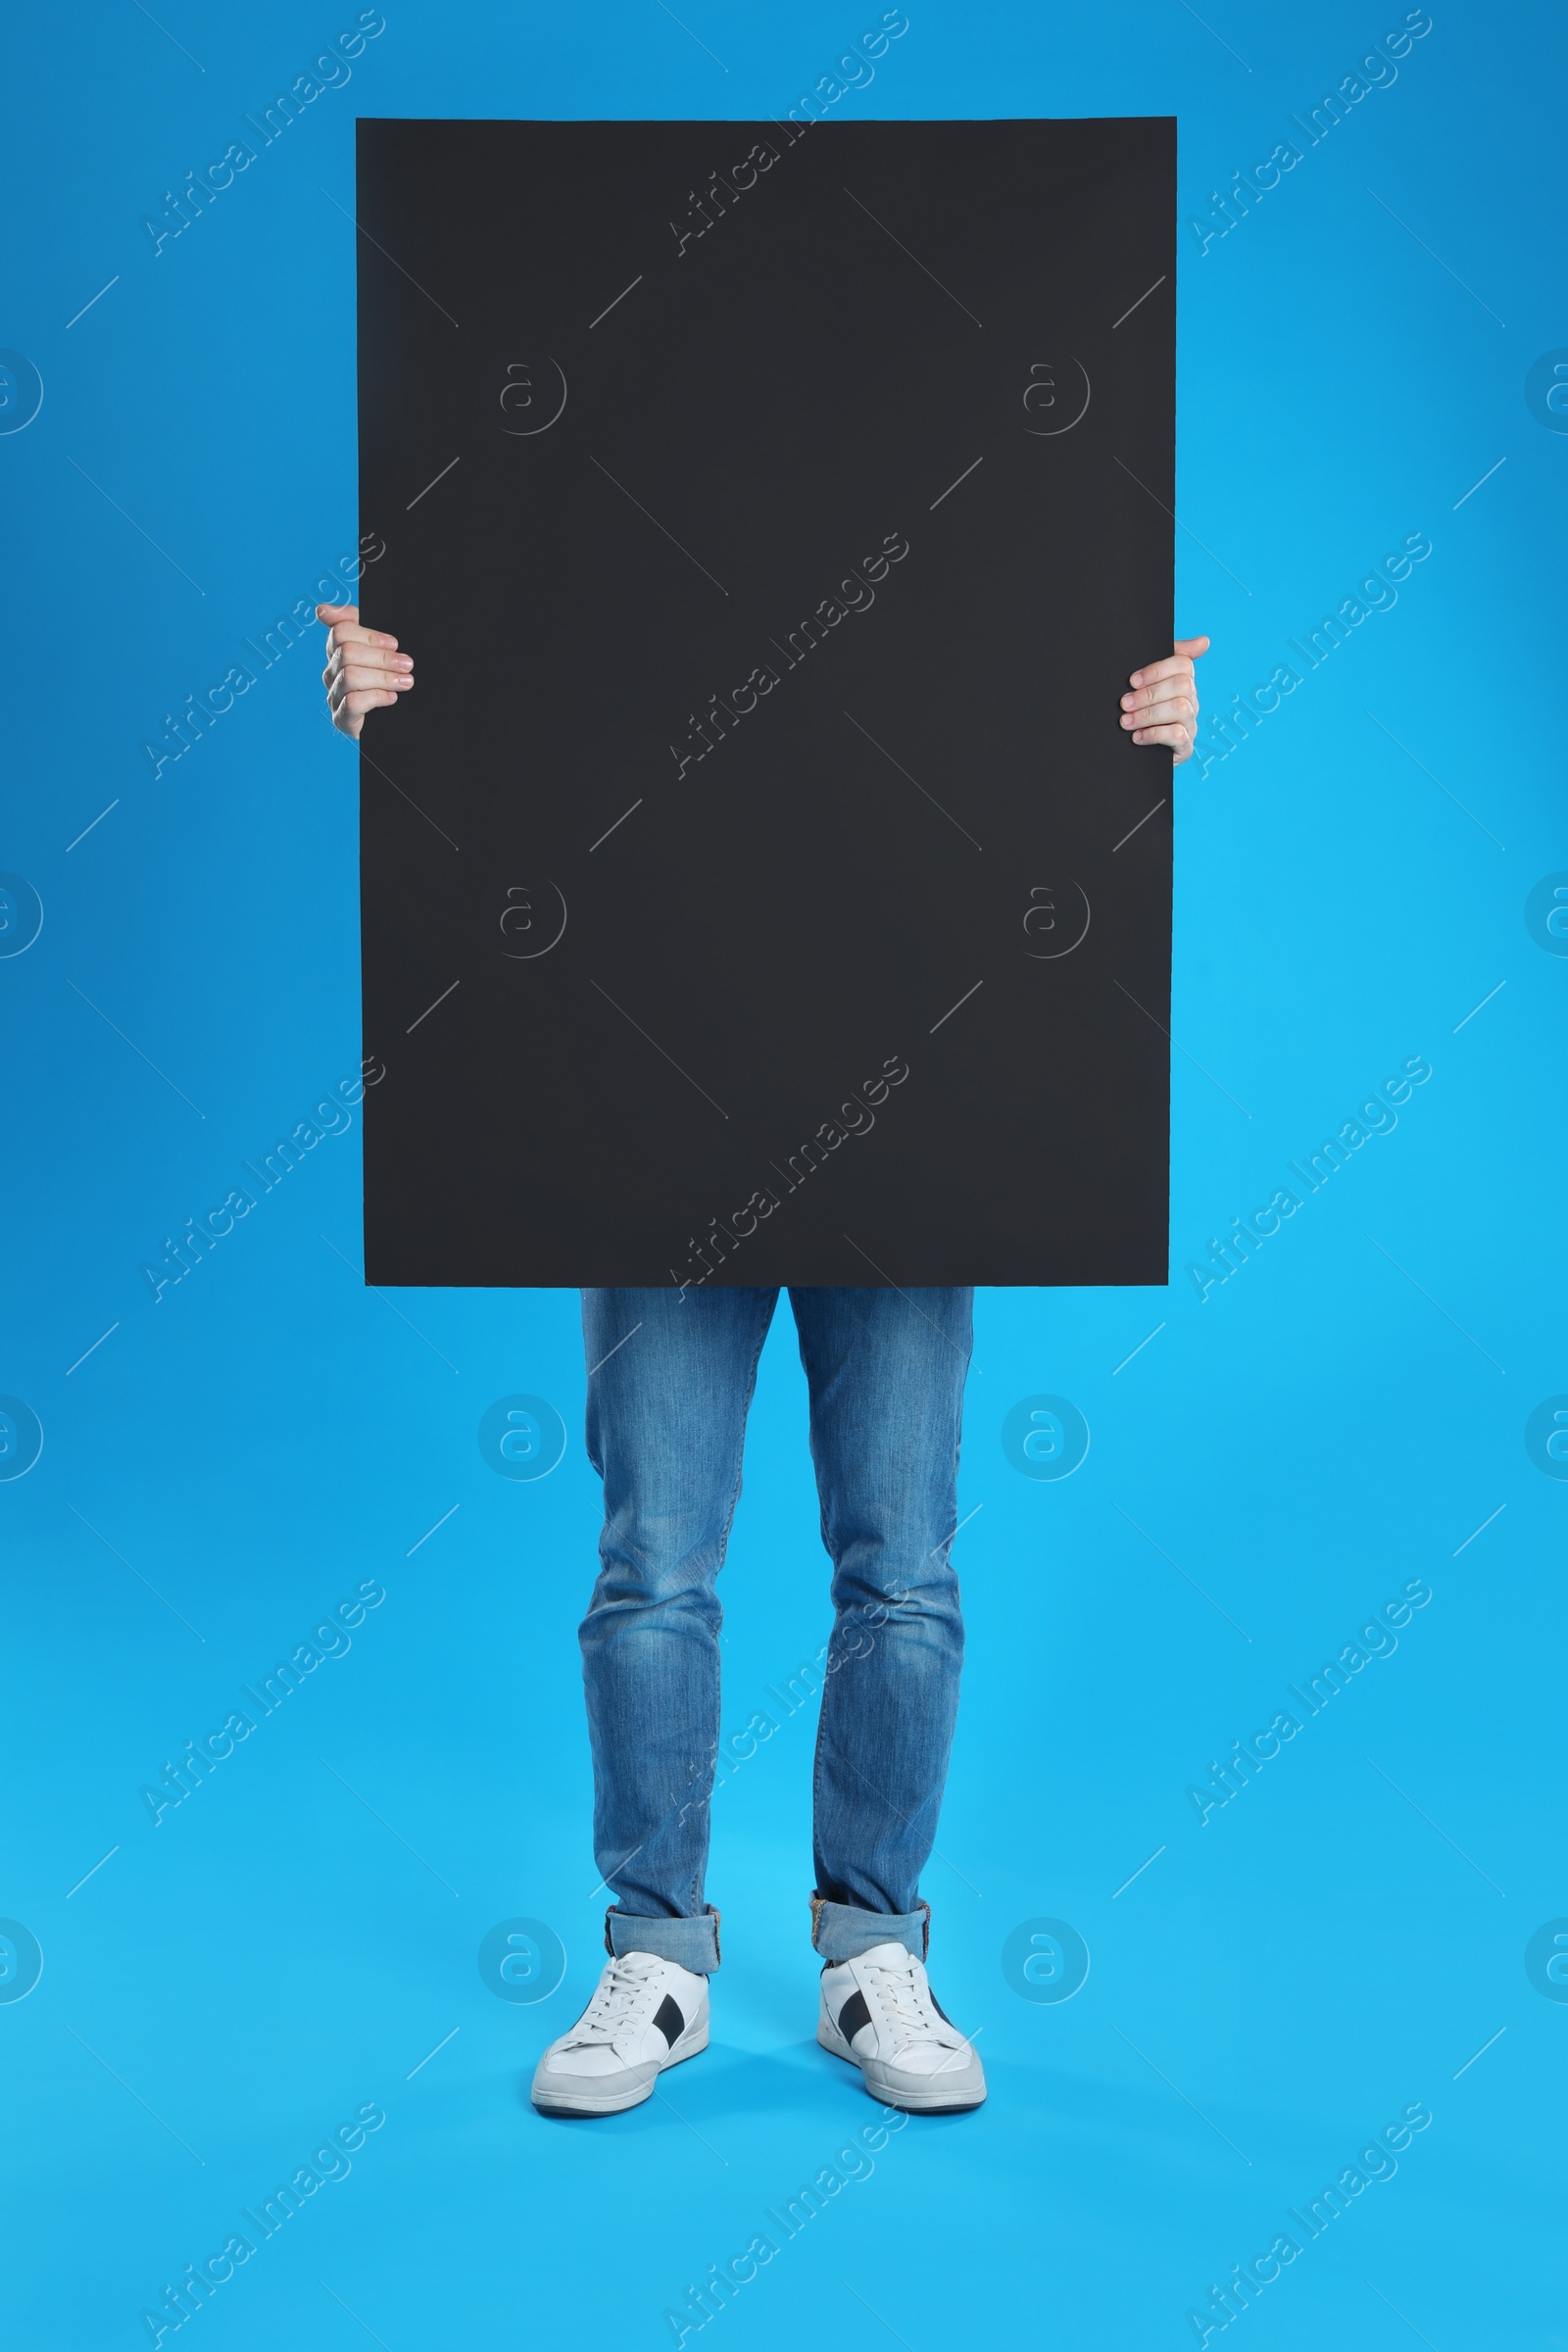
<point>828,1547</point>
<point>724,1552</point>
<point>822,1721</point>
<point>821,1505</point>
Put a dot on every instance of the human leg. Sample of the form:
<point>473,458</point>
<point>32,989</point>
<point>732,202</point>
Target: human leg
<point>670,1380</point>
<point>886,1371</point>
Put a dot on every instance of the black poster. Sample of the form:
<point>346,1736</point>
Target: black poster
<point>757,885</point>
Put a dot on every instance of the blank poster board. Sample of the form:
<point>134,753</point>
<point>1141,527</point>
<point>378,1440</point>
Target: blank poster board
<point>757,886</point>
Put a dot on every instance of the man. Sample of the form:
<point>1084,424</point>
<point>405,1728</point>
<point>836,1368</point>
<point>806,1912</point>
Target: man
<point>671,1380</point>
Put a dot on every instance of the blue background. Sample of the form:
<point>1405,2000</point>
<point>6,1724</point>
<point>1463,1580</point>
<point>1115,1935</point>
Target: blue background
<point>1339,1417</point>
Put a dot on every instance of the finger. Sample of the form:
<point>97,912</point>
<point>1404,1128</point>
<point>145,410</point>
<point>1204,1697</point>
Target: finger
<point>355,706</point>
<point>348,632</point>
<point>342,689</point>
<point>1179,738</point>
<point>1167,690</point>
<point>1188,648</point>
<point>368,656</point>
<point>1163,709</point>
<point>1176,665</point>
<point>356,677</point>
<point>343,627</point>
<point>1163,714</point>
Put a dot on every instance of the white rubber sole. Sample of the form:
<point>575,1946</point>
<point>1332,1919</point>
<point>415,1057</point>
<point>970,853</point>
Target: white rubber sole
<point>925,2094</point>
<point>616,2100</point>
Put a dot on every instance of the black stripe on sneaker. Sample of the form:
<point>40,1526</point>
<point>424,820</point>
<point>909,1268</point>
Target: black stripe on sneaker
<point>854,2014</point>
<point>669,2021</point>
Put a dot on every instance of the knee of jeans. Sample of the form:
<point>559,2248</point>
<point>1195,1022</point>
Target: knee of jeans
<point>884,1587</point>
<point>932,1609</point>
<point>655,1566</point>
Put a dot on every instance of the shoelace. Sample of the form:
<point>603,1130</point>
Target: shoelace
<point>621,1988</point>
<point>899,1985</point>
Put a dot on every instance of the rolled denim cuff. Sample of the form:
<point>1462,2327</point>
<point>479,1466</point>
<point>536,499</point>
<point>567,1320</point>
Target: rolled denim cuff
<point>843,1930</point>
<point>690,1943</point>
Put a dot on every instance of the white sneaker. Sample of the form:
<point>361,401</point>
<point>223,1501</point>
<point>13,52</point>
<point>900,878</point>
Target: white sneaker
<point>646,2015</point>
<point>878,2011</point>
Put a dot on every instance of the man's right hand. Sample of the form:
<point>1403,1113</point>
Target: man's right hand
<point>364,667</point>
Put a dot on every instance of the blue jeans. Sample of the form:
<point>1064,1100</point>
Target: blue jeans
<point>670,1380</point>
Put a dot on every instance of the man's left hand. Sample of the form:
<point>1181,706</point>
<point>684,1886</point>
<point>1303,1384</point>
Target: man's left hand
<point>1162,707</point>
